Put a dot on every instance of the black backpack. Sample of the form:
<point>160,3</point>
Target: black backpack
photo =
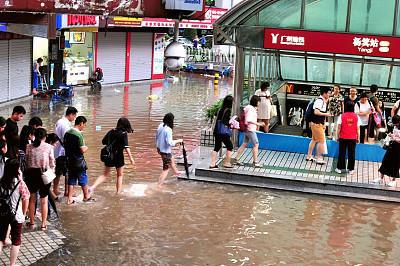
<point>308,115</point>
<point>7,213</point>
<point>108,152</point>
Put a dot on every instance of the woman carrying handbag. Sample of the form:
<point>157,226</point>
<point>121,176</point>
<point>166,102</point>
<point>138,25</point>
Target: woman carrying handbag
<point>40,162</point>
<point>222,133</point>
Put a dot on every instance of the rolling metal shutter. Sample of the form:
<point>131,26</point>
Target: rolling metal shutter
<point>111,56</point>
<point>20,68</point>
<point>141,55</point>
<point>4,93</point>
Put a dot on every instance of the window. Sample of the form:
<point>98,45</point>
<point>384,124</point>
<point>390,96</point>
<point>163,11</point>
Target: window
<point>319,70</point>
<point>372,16</point>
<point>347,73</point>
<point>281,14</point>
<point>293,68</point>
<point>375,74</point>
<point>328,15</point>
<point>395,78</point>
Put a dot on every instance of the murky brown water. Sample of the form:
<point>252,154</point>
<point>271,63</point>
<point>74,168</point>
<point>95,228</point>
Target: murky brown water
<point>205,224</point>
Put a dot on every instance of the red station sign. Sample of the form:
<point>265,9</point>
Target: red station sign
<point>329,42</point>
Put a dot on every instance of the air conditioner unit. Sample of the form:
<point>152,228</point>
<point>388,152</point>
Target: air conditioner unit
<point>186,5</point>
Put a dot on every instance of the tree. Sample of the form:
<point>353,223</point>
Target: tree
<point>210,2</point>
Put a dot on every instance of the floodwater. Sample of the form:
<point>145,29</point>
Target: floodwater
<point>192,223</point>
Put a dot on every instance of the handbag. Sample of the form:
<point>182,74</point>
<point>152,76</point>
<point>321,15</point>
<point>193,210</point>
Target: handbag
<point>223,129</point>
<point>48,176</point>
<point>107,153</point>
<point>274,111</point>
<point>387,143</point>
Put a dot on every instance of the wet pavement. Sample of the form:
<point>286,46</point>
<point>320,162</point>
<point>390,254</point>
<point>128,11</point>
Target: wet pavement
<point>193,223</point>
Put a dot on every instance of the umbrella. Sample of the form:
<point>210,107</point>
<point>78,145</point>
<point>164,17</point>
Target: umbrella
<point>185,161</point>
<point>53,204</point>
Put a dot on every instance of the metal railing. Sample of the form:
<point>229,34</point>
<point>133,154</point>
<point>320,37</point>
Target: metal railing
<point>203,55</point>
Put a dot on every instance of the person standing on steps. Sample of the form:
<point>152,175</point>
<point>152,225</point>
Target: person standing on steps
<point>165,142</point>
<point>250,135</point>
<point>265,107</point>
<point>391,161</point>
<point>363,109</point>
<point>75,148</point>
<point>348,134</point>
<point>117,140</point>
<point>336,108</point>
<point>61,127</point>
<point>223,118</point>
<point>317,125</point>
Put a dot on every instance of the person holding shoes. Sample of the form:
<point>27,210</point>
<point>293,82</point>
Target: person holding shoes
<point>222,133</point>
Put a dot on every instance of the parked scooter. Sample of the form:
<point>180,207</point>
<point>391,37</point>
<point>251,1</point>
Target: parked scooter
<point>96,79</point>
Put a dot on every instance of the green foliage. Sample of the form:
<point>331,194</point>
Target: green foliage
<point>190,33</point>
<point>212,111</point>
<point>210,2</point>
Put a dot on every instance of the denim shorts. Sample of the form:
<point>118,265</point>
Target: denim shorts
<point>251,136</point>
<point>80,178</point>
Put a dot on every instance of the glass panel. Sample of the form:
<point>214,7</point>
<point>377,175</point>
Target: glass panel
<point>372,16</point>
<point>293,68</point>
<point>395,79</point>
<point>329,15</point>
<point>319,70</point>
<point>252,21</point>
<point>281,14</point>
<point>347,73</point>
<point>375,74</point>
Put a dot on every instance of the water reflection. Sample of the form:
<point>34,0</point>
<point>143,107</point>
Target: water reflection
<point>202,224</point>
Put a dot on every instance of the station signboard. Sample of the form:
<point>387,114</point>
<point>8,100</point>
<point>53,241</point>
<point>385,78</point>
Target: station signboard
<point>332,42</point>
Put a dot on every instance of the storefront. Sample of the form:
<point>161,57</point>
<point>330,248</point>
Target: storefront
<point>15,66</point>
<point>128,53</point>
<point>78,60</point>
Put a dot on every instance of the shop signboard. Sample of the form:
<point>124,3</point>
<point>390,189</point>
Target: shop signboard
<point>189,5</point>
<point>158,56</point>
<point>78,21</point>
<point>211,16</point>
<point>130,8</point>
<point>313,90</point>
<point>331,42</point>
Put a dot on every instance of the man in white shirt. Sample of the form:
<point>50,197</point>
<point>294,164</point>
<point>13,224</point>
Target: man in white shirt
<point>61,127</point>
<point>363,109</point>
<point>317,125</point>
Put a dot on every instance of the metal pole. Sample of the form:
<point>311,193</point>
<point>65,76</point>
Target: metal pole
<point>176,28</point>
<point>238,84</point>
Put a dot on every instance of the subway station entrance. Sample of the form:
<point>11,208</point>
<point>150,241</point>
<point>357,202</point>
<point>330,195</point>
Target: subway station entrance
<point>301,45</point>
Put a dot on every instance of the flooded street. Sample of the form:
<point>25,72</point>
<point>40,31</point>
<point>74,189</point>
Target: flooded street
<point>194,223</point>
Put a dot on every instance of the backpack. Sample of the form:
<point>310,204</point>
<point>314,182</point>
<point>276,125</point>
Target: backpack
<point>108,152</point>
<point>242,120</point>
<point>7,213</point>
<point>309,114</point>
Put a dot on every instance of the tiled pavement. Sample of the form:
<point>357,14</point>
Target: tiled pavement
<point>35,246</point>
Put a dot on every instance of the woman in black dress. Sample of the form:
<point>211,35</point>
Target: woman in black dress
<point>391,161</point>
<point>117,140</point>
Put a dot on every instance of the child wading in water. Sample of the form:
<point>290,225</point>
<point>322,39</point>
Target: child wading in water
<point>164,144</point>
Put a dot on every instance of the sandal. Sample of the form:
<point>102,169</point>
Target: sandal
<point>320,162</point>
<point>30,226</point>
<point>73,202</point>
<point>228,166</point>
<point>311,159</point>
<point>44,228</point>
<point>214,167</point>
<point>89,199</point>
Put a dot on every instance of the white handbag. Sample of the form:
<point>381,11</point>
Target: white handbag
<point>274,111</point>
<point>48,176</point>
